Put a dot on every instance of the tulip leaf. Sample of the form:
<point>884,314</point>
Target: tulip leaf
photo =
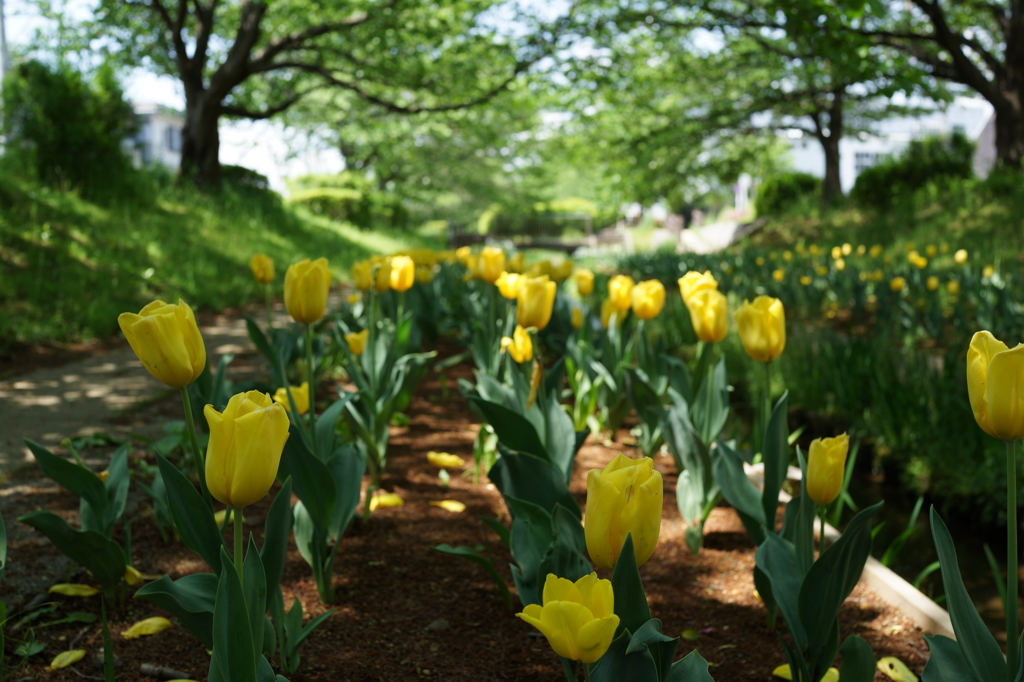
<point>347,466</point>
<point>775,453</point>
<point>192,515</point>
<point>311,478</point>
<point>679,377</point>
<point>100,555</point>
<point>276,529</point>
<point>116,485</point>
<point>979,648</point>
<point>561,437</point>
<point>711,411</point>
<point>264,673</point>
<point>232,633</point>
<point>690,668</point>
<point>565,561</point>
<point>254,588</point>
<point>191,599</point>
<point>567,528</point>
<point>514,431</point>
<point>630,599</point>
<point>503,533</point>
<point>78,480</point>
<point>327,422</point>
<point>302,528</point>
<point>473,555</point>
<point>739,491</point>
<point>661,648</point>
<point>858,661</point>
<point>946,662</point>
<point>831,579</point>
<point>617,665</point>
<point>532,479</point>
<point>777,559</point>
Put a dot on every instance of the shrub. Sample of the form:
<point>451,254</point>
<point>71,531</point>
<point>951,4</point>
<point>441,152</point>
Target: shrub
<point>67,131</point>
<point>932,159</point>
<point>778,193</point>
<point>349,196</point>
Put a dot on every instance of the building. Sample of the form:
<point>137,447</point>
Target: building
<point>974,117</point>
<point>159,138</point>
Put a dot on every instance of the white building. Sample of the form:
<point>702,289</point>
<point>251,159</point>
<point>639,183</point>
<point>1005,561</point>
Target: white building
<point>974,117</point>
<point>159,136</point>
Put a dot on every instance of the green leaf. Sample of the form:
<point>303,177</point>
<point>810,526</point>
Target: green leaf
<point>739,491</point>
<point>347,466</point>
<point>192,516</point>
<point>471,554</point>
<point>561,437</point>
<point>232,634</point>
<point>630,599</point>
<point>661,648</point>
<point>504,534</point>
<point>690,668</point>
<point>775,453</point>
<point>116,485</point>
<point>618,666</point>
<point>979,648</point>
<point>190,599</point>
<point>326,423</point>
<point>709,413</point>
<point>78,480</point>
<point>946,663</point>
<point>254,588</point>
<point>514,431</point>
<point>777,559</point>
<point>311,478</point>
<point>302,528</point>
<point>100,555</point>
<point>276,529</point>
<point>532,479</point>
<point>858,661</point>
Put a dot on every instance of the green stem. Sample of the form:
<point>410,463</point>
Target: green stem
<point>821,534</point>
<point>312,384</point>
<point>266,292</point>
<point>586,672</point>
<point>237,515</point>
<point>1011,561</point>
<point>197,456</point>
<point>567,670</point>
<point>707,435</point>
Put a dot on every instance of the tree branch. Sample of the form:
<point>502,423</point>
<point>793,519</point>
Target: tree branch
<point>242,112</point>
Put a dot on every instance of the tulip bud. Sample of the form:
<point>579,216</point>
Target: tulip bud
<point>167,341</point>
<point>300,394</point>
<point>403,273</point>
<point>709,314</point>
<point>516,263</point>
<point>625,497</point>
<point>262,267</point>
<point>535,300</point>
<point>519,345</point>
<point>988,271</point>
<point>306,285</point>
<point>610,310</point>
<point>508,284</point>
<point>463,253</point>
<point>694,281</point>
<point>490,264</point>
<point>762,328</point>
<point>246,442</point>
<point>995,386</point>
<point>620,291</point>
<point>578,619</point>
<point>897,284</point>
<point>875,251</point>
<point>576,318</point>
<point>960,257</point>
<point>362,275</point>
<point>648,298</point>
<point>932,283</point>
<point>953,287</point>
<point>584,282</point>
<point>826,467</point>
<point>562,271</point>
<point>357,341</point>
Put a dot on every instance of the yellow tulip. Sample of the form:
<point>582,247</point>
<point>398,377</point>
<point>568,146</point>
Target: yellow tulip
<point>709,314</point>
<point>861,250</point>
<point>445,460</point>
<point>840,264</point>
<point>960,257</point>
<point>620,291</point>
<point>562,271</point>
<point>995,386</point>
<point>305,290</point>
<point>837,252</point>
<point>463,253</point>
<point>262,267</point>
<point>508,284</point>
<point>931,251</point>
<point>578,619</point>
<point>357,341</point>
<point>875,251</point>
<point>988,271</point>
<point>608,310</point>
<point>932,283</point>
<point>624,497</point>
<point>897,284</point>
<point>822,270</point>
<point>648,299</point>
<point>762,328</point>
<point>519,345</point>
<point>535,301</point>
<point>149,626</point>
<point>66,658</point>
<point>847,249</point>
<point>805,280</point>
<point>362,275</point>
<point>584,282</point>
<point>779,275</point>
<point>759,260</point>
<point>354,298</point>
<point>543,268</point>
<point>490,264</point>
<point>576,318</point>
<point>694,281</point>
<point>826,466</point>
<point>222,515</point>
<point>383,281</point>
<point>246,442</point>
<point>787,256</point>
<point>300,394</point>
<point>953,287</point>
<point>166,339</point>
<point>516,262</point>
<point>814,249</point>
<point>424,274</point>
<point>403,273</point>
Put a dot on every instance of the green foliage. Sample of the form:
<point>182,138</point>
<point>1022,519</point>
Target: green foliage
<point>932,159</point>
<point>783,192</point>
<point>69,131</point>
<point>349,196</point>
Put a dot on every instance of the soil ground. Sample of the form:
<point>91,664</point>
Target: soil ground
<point>406,612</point>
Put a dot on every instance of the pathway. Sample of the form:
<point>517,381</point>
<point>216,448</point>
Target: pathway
<point>715,237</point>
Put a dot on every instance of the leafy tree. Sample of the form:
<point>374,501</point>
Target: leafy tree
<point>250,59</point>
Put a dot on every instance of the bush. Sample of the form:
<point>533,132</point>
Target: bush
<point>933,159</point>
<point>349,196</point>
<point>68,132</point>
<point>778,193</point>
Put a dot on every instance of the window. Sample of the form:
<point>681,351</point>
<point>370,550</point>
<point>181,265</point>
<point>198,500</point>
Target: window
<point>172,139</point>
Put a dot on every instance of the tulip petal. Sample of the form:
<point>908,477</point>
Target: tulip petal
<point>597,595</point>
<point>561,622</point>
<point>158,342</point>
<point>192,338</point>
<point>1004,394</point>
<point>453,506</point>
<point>560,589</point>
<point>896,670</point>
<point>73,590</point>
<point>149,626</point>
<point>67,658</point>
<point>595,637</point>
<point>386,500</point>
<point>601,527</point>
<point>260,436</point>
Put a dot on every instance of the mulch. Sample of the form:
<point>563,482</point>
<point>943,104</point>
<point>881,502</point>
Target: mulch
<point>407,612</point>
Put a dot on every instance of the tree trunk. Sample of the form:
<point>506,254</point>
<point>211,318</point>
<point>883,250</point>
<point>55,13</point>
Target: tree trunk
<point>200,141</point>
<point>1010,133</point>
<point>831,187</point>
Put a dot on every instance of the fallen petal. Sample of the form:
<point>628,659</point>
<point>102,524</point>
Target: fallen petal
<point>453,506</point>
<point>66,658</point>
<point>445,460</point>
<point>386,500</point>
<point>73,590</point>
<point>149,626</point>
<point>896,670</point>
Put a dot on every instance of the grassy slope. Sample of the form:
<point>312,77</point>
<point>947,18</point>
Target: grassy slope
<point>69,267</point>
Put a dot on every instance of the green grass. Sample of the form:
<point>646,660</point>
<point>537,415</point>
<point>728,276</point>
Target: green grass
<point>69,267</point>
